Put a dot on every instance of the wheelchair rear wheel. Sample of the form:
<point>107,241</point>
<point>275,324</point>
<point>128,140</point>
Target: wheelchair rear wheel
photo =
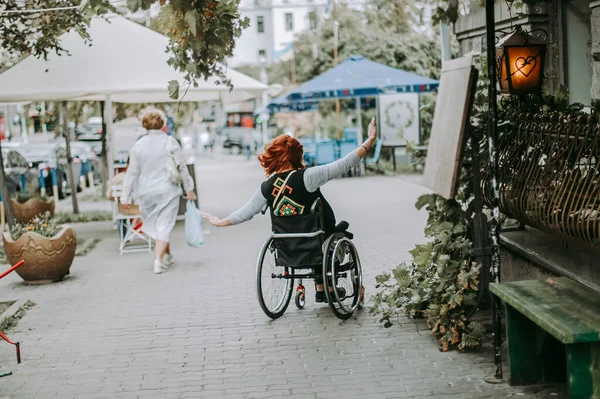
<point>342,270</point>
<point>273,283</point>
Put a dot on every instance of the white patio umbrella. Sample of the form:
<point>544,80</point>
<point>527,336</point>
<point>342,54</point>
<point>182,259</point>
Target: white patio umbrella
<point>126,62</point>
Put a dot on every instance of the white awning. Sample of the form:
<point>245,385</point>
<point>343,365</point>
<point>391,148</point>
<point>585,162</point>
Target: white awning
<point>125,59</point>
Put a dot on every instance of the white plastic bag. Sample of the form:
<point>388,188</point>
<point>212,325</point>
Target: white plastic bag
<point>193,225</point>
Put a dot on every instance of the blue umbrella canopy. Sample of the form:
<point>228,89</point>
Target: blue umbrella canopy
<point>283,104</point>
<point>361,77</point>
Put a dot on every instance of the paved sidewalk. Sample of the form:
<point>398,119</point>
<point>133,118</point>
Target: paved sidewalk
<point>113,329</point>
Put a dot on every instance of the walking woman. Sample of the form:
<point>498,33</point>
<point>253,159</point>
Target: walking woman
<point>156,171</point>
<point>282,161</point>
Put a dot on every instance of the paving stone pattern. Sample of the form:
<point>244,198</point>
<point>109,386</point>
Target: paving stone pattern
<point>113,329</point>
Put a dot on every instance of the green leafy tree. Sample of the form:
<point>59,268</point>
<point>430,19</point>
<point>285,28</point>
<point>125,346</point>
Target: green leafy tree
<point>382,33</point>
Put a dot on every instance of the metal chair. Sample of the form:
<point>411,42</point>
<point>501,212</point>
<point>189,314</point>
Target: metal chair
<point>325,153</point>
<point>310,150</point>
<point>374,160</point>
<point>130,229</point>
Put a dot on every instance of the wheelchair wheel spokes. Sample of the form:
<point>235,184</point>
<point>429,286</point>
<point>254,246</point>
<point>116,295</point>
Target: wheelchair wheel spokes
<point>342,269</point>
<point>273,284</point>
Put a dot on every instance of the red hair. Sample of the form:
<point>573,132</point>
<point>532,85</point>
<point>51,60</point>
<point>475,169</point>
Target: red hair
<point>284,153</point>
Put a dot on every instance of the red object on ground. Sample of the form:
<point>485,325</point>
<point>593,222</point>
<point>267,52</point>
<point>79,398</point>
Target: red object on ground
<point>4,337</point>
<point>2,128</point>
<point>20,263</point>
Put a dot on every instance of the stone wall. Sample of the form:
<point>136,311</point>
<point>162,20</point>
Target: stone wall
<point>595,5</point>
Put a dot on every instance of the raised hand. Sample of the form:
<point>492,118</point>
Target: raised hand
<point>372,132</point>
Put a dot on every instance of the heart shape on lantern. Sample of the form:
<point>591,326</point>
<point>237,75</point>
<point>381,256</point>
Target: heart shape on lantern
<point>526,65</point>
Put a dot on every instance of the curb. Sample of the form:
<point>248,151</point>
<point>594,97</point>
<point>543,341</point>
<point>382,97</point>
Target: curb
<point>13,309</point>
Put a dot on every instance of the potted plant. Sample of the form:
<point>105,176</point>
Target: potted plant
<point>28,207</point>
<point>47,249</point>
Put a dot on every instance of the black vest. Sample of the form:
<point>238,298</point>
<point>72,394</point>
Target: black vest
<point>295,200</point>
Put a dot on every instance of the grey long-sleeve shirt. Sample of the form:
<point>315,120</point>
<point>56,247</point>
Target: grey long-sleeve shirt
<point>313,179</point>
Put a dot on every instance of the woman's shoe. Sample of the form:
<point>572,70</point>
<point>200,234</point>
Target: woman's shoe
<point>320,296</point>
<point>168,260</point>
<point>159,267</point>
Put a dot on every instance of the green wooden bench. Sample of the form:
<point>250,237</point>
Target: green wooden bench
<point>553,330</point>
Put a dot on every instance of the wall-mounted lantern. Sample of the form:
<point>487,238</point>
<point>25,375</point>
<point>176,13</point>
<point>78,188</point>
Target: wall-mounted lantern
<point>520,60</point>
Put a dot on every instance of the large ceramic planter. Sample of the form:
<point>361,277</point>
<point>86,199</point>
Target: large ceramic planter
<point>46,259</point>
<point>31,208</point>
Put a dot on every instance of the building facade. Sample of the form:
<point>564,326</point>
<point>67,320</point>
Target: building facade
<point>273,26</point>
<point>573,29</point>
<point>573,61</point>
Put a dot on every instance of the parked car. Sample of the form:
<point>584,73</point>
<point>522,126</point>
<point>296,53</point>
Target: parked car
<point>15,166</point>
<point>48,156</point>
<point>236,139</point>
<point>85,152</point>
<point>95,144</point>
<point>92,130</point>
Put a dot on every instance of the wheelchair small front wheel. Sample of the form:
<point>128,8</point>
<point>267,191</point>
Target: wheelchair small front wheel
<point>300,300</point>
<point>273,283</point>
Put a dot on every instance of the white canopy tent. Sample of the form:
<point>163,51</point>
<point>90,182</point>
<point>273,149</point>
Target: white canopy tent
<point>125,62</point>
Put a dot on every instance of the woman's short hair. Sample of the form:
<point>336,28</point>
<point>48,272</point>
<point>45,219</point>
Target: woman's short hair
<point>285,152</point>
<point>153,119</point>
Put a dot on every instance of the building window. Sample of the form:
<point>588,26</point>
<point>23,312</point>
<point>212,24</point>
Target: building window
<point>262,55</point>
<point>289,22</point>
<point>260,24</point>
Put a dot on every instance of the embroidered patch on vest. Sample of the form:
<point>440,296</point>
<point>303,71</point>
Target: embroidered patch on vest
<point>277,186</point>
<point>287,207</point>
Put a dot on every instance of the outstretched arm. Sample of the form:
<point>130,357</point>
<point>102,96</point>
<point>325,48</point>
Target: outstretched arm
<point>319,175</point>
<point>245,213</point>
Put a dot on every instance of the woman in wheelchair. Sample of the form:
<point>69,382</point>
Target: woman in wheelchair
<point>291,189</point>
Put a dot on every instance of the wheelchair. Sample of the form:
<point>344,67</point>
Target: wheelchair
<point>299,249</point>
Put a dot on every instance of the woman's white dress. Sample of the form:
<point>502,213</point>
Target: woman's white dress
<point>148,176</point>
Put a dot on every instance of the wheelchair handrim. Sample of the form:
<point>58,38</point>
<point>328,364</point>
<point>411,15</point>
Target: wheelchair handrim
<point>286,295</point>
<point>357,285</point>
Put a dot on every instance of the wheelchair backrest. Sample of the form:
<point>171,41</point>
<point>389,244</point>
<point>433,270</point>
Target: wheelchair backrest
<point>299,239</point>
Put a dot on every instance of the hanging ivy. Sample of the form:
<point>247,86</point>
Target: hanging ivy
<point>441,281</point>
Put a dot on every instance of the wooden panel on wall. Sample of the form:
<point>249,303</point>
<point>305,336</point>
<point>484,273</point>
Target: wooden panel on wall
<point>452,110</point>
